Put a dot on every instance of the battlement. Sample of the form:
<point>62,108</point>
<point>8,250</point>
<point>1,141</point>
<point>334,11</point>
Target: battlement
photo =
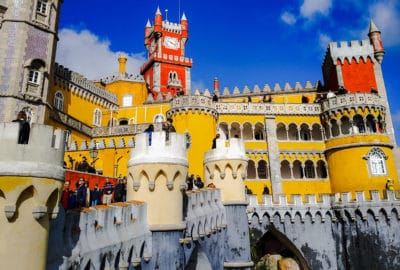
<point>205,213</point>
<point>104,228</point>
<point>80,83</point>
<point>326,205</point>
<point>345,50</point>
<point>161,150</point>
<point>353,100</point>
<point>171,27</point>
<point>42,157</point>
<point>232,149</point>
<point>193,103</point>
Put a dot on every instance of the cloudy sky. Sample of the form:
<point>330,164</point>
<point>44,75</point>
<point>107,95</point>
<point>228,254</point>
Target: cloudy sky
<point>243,43</point>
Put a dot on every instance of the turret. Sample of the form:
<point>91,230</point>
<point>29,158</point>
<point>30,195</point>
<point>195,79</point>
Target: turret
<point>31,178</point>
<point>158,23</point>
<point>157,176</point>
<point>226,167</point>
<point>184,28</point>
<point>147,32</point>
<point>376,41</point>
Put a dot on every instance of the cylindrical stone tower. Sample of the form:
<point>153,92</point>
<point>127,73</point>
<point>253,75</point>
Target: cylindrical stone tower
<point>31,178</point>
<point>226,167</point>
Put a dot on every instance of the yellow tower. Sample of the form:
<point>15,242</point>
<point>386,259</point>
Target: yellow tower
<point>196,117</point>
<point>31,178</point>
<point>358,148</point>
<point>157,176</point>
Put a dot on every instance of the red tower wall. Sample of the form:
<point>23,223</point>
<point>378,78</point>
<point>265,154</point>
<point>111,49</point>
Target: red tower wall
<point>358,77</point>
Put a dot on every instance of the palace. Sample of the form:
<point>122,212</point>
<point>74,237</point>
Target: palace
<point>332,139</point>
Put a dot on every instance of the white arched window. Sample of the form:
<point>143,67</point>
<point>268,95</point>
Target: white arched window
<point>127,100</point>
<point>59,101</point>
<point>376,159</point>
<point>97,117</point>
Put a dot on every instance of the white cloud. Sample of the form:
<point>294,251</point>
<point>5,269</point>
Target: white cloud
<point>312,7</point>
<point>386,16</point>
<point>324,40</point>
<point>288,18</point>
<point>85,53</point>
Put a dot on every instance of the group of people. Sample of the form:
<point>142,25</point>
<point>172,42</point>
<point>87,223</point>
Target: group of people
<point>194,183</point>
<point>83,196</point>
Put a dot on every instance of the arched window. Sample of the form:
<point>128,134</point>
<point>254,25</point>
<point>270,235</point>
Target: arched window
<point>321,169</point>
<point>316,132</point>
<point>59,101</point>
<point>305,133</point>
<point>127,100</point>
<point>281,133</point>
<point>159,118</point>
<point>262,169</point>
<point>251,170</point>
<point>259,132</point>
<point>124,122</point>
<point>35,71</point>
<point>309,169</point>
<point>97,117</point>
<point>371,126</point>
<point>285,170</point>
<point>376,159</point>
<point>235,130</point>
<point>327,131</point>
<point>334,128</point>
<point>297,170</point>
<point>358,124</point>
<point>345,125</point>
<point>223,127</point>
<point>247,131</point>
<point>293,133</point>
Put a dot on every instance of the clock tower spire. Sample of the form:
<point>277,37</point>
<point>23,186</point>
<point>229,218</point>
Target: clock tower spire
<point>167,70</point>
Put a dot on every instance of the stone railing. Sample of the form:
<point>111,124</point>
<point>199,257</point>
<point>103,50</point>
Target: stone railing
<point>70,122</point>
<point>352,100</point>
<point>340,202</point>
<point>268,108</point>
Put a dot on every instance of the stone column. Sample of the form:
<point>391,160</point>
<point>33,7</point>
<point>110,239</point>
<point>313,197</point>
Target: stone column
<point>273,156</point>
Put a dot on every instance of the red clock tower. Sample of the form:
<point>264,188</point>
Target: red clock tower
<point>166,70</point>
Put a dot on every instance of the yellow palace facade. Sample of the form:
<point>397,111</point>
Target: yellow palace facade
<point>299,139</point>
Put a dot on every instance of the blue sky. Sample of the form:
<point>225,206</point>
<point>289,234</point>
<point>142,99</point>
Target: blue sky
<point>243,43</point>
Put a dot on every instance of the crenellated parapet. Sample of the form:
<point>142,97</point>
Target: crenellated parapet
<point>359,50</point>
<point>83,87</point>
<point>196,103</point>
<point>205,214</point>
<point>123,77</point>
<point>226,167</point>
<point>117,234</point>
<point>336,207</point>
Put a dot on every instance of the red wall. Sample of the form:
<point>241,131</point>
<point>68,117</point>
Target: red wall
<point>73,177</point>
<point>358,77</point>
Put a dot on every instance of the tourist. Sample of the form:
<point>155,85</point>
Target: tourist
<point>65,195</point>
<point>168,128</point>
<point>108,190</point>
<point>119,189</point>
<point>149,131</point>
<point>81,194</point>
<point>265,190</point>
<point>198,183</point>
<point>214,142</point>
<point>95,195</point>
<point>389,184</point>
<point>24,128</point>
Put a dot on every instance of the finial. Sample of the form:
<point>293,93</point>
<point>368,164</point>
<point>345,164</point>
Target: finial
<point>158,12</point>
<point>166,15</point>
<point>148,24</point>
<point>372,27</point>
<point>183,17</point>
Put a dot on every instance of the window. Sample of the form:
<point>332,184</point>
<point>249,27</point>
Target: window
<point>42,6</point>
<point>97,117</point>
<point>127,101</point>
<point>376,161</point>
<point>34,76</point>
<point>59,101</point>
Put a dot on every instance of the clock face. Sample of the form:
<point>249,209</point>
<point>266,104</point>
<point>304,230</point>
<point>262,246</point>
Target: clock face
<point>171,43</point>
